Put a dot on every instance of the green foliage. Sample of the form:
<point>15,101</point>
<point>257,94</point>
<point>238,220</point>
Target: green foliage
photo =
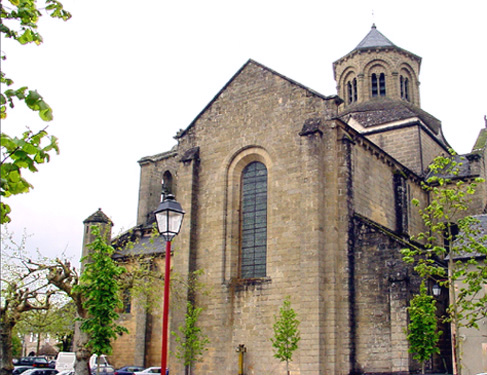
<point>458,262</point>
<point>99,285</point>
<point>423,334</point>
<point>24,289</point>
<point>18,154</point>
<point>19,21</point>
<point>16,346</point>
<point>286,333</point>
<point>191,341</point>
<point>63,327</point>
<point>57,321</point>
<point>20,18</point>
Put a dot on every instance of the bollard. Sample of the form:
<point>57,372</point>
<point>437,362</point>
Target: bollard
<point>241,350</point>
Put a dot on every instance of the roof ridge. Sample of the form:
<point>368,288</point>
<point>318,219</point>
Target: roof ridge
<point>251,61</point>
<point>375,39</point>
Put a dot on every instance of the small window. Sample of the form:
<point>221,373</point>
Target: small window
<point>355,96</point>
<point>253,256</point>
<point>406,89</point>
<point>127,301</point>
<point>352,91</point>
<point>382,84</point>
<point>404,82</point>
<point>167,184</point>
<point>374,84</point>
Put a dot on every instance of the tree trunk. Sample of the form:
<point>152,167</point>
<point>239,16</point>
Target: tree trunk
<point>82,353</point>
<point>457,366</point>
<point>6,345</point>
<point>38,346</point>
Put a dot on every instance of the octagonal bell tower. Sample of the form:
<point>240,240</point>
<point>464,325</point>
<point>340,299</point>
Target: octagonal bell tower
<point>379,84</point>
<point>377,69</point>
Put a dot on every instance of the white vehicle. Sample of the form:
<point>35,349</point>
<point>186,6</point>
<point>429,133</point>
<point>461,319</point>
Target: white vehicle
<point>103,361</point>
<point>65,361</point>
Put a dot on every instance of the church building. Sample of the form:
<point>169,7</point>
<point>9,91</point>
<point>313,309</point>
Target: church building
<point>288,192</point>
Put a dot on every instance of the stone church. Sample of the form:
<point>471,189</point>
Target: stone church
<point>288,192</point>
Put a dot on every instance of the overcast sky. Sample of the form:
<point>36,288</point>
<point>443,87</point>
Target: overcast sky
<point>123,77</point>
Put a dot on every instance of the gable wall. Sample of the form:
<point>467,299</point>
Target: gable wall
<point>258,115</point>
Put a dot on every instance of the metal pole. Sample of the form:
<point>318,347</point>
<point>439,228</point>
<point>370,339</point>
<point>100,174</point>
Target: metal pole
<point>241,350</point>
<point>165,312</point>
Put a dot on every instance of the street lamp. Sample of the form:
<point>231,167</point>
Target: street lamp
<point>169,217</point>
<point>436,290</point>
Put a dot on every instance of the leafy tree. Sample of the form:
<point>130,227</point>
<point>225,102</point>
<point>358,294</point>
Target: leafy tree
<point>191,341</point>
<point>96,285</point>
<point>16,346</point>
<point>63,328</point>
<point>19,22</point>
<point>99,286</point>
<point>453,246</point>
<point>286,333</point>
<point>92,294</point>
<point>24,288</point>
<point>57,321</point>
<point>423,334</point>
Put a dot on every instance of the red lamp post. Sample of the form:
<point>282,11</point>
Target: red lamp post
<point>169,217</point>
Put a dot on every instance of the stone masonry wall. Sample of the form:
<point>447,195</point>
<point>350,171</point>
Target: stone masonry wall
<point>259,116</point>
<point>152,170</point>
<point>383,284</point>
<point>411,146</point>
<point>373,186</point>
<point>393,62</point>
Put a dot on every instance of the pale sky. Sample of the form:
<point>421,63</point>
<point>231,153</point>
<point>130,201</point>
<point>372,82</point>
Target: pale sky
<point>123,77</point>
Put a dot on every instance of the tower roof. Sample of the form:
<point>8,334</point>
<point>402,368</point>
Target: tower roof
<point>375,39</point>
<point>98,217</point>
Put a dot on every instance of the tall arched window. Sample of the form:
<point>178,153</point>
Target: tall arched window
<point>382,84</point>
<point>352,91</point>
<point>253,221</point>
<point>167,183</point>
<point>374,84</point>
<point>349,92</point>
<point>404,88</point>
<point>354,86</point>
<point>378,84</point>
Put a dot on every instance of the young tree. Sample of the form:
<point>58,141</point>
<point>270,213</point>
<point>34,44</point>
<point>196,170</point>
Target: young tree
<point>423,334</point>
<point>286,333</point>
<point>454,250</point>
<point>191,341</point>
<point>28,284</point>
<point>101,289</point>
<point>99,286</point>
<point>19,22</point>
